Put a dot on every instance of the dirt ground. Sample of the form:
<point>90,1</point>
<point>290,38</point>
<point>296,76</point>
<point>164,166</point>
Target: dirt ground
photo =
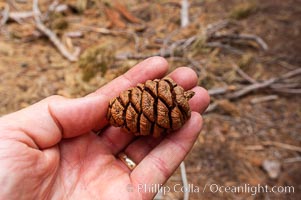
<point>248,140</point>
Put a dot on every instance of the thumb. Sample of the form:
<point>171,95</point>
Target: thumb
<point>78,116</point>
<point>53,118</point>
<point>56,117</point>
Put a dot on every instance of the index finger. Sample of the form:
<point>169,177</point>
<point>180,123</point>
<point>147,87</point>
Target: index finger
<point>151,68</point>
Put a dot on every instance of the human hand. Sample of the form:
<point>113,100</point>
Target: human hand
<point>48,150</point>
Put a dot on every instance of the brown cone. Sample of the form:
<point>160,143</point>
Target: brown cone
<point>153,108</point>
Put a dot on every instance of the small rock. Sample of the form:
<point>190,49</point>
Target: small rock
<point>272,167</point>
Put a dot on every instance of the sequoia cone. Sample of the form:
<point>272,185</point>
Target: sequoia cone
<point>153,108</point>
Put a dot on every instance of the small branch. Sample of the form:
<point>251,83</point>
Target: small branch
<point>184,13</point>
<point>292,160</point>
<point>52,37</point>
<point>282,145</point>
<point>159,195</point>
<point>255,38</point>
<point>285,85</point>
<point>181,45</point>
<point>184,180</point>
<point>213,28</point>
<point>139,56</point>
<point>288,90</point>
<point>264,99</point>
<point>217,91</point>
<point>223,46</point>
<point>267,83</point>
<point>166,41</point>
<point>251,88</point>
<point>243,74</point>
<point>272,83</point>
<point>211,107</point>
<point>254,148</point>
<point>19,16</point>
<point>104,31</point>
<point>5,15</point>
<point>291,73</point>
<point>53,5</point>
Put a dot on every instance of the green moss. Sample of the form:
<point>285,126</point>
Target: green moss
<point>199,45</point>
<point>81,5</point>
<point>243,10</point>
<point>245,61</point>
<point>95,60</point>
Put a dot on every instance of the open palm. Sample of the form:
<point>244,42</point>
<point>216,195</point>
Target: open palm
<point>48,150</point>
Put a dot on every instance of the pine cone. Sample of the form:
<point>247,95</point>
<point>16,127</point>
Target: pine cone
<point>153,108</point>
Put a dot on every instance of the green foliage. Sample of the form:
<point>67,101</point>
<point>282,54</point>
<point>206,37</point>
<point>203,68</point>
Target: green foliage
<point>96,59</point>
<point>81,5</point>
<point>199,45</point>
<point>245,61</point>
<point>243,10</point>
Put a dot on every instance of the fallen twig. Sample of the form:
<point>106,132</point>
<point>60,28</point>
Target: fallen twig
<point>254,147</point>
<point>217,91</point>
<point>184,13</point>
<point>166,46</point>
<point>211,107</point>
<point>184,180</point>
<point>243,74</point>
<point>213,28</point>
<point>226,93</point>
<point>291,73</point>
<point>52,36</point>
<point>282,145</point>
<point>223,46</point>
<point>5,15</point>
<point>139,56</point>
<point>255,38</point>
<point>251,88</point>
<point>106,31</point>
<point>289,90</point>
<point>181,45</point>
<point>74,34</point>
<point>264,99</point>
<point>18,16</point>
<point>288,87</point>
<point>292,160</point>
<point>268,83</point>
<point>54,7</point>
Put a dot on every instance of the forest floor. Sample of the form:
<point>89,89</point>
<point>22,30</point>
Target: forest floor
<point>251,134</point>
